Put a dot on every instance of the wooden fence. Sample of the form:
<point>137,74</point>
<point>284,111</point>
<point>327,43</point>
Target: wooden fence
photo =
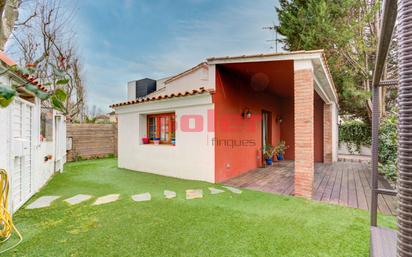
<point>86,141</point>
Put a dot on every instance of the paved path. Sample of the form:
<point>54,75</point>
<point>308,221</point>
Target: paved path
<point>194,193</point>
<point>106,199</point>
<point>142,197</point>
<point>77,199</point>
<point>45,201</point>
<point>42,202</point>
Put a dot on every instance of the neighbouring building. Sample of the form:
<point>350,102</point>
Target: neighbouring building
<point>32,138</point>
<point>211,122</point>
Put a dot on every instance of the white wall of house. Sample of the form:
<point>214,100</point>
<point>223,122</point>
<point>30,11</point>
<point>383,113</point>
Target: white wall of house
<point>21,150</point>
<point>4,131</point>
<point>193,155</point>
<point>131,90</point>
<point>193,80</point>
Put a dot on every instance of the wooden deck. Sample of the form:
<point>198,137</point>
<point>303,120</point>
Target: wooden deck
<point>343,183</point>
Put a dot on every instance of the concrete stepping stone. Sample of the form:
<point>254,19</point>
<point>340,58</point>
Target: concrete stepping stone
<point>169,194</point>
<point>42,202</point>
<point>215,191</point>
<point>142,197</point>
<point>194,193</point>
<point>106,199</point>
<point>77,199</point>
<point>233,190</point>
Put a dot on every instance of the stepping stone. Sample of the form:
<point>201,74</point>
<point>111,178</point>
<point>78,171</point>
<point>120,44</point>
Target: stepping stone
<point>77,199</point>
<point>42,202</point>
<point>233,190</point>
<point>169,194</point>
<point>106,199</point>
<point>142,197</point>
<point>215,191</point>
<point>194,193</point>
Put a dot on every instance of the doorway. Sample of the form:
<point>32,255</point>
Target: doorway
<point>266,130</point>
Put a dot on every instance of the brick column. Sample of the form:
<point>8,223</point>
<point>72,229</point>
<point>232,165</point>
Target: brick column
<point>304,132</point>
<point>327,133</point>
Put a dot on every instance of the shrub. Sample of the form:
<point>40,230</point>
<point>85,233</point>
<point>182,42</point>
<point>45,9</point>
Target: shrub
<point>388,145</point>
<point>354,133</point>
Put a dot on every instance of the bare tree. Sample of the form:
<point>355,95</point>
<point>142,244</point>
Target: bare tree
<point>45,42</point>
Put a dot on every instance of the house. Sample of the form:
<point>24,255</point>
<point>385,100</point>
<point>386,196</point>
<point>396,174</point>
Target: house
<point>32,138</point>
<point>102,118</point>
<point>211,122</point>
<point>112,117</point>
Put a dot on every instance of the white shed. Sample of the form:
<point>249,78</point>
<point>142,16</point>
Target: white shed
<point>29,158</point>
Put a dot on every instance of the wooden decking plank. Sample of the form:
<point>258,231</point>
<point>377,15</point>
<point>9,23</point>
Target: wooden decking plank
<point>343,200</point>
<point>352,197</point>
<point>388,201</point>
<point>317,195</point>
<point>385,208</point>
<point>382,206</point>
<point>360,191</point>
<point>320,179</point>
<point>391,203</point>
<point>319,176</point>
<point>343,183</point>
<point>366,186</point>
<point>330,185</point>
<point>367,174</point>
<point>334,198</point>
<point>290,189</point>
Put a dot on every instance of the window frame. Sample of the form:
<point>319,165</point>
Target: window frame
<point>171,126</point>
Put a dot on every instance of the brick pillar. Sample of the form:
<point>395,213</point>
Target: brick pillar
<point>327,133</point>
<point>304,132</point>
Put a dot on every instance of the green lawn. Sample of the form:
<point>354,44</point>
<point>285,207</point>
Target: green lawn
<point>249,224</point>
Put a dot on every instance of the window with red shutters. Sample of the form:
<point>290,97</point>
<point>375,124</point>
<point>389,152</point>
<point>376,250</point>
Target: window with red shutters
<point>161,126</point>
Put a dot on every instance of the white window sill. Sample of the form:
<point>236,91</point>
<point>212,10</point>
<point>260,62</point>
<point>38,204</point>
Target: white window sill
<point>159,145</point>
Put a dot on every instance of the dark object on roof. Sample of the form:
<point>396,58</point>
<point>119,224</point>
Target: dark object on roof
<point>144,87</point>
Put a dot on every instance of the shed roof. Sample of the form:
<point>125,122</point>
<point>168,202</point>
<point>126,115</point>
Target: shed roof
<point>199,91</point>
<point>7,61</point>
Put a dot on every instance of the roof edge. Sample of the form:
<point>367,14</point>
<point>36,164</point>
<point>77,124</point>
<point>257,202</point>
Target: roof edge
<point>223,58</point>
<point>8,62</point>
<point>199,91</point>
<point>184,73</point>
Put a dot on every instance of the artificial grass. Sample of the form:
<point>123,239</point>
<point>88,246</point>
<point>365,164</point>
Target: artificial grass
<point>227,224</point>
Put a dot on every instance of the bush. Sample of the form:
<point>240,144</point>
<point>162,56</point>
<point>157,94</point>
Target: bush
<point>388,145</point>
<point>354,134</point>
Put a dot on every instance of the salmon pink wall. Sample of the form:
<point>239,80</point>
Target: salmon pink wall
<point>318,127</point>
<point>238,141</point>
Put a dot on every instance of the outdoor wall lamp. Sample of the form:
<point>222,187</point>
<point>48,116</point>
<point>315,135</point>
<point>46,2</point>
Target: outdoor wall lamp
<point>279,119</point>
<point>246,114</point>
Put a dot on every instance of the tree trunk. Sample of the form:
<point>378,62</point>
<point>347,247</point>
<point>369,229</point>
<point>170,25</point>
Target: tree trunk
<point>8,16</point>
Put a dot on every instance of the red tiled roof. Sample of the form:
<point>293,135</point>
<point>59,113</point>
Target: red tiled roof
<point>9,62</point>
<point>201,90</point>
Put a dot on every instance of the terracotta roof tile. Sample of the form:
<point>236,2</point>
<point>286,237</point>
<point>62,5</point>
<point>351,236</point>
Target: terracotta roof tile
<point>9,62</point>
<point>199,91</point>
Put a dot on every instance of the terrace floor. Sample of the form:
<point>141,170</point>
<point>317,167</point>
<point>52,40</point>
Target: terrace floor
<point>344,183</point>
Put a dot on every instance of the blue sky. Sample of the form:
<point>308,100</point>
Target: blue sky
<point>123,40</point>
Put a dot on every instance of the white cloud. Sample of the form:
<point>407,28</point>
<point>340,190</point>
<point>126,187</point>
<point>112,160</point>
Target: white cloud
<point>237,29</point>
